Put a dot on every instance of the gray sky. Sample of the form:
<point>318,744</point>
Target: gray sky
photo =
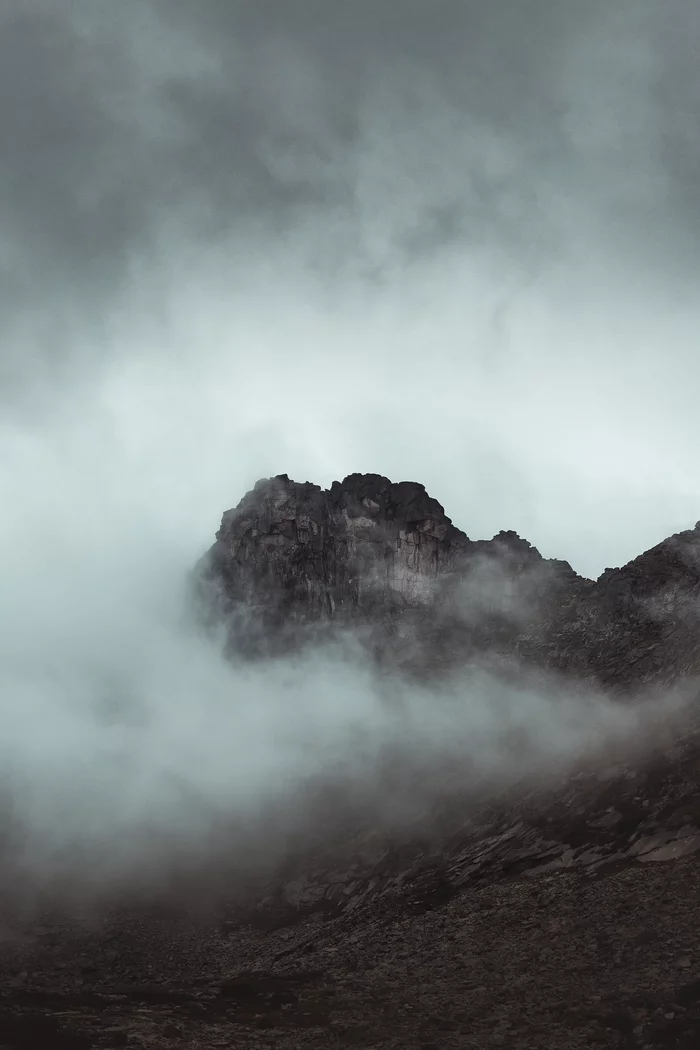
<point>448,241</point>
<point>451,242</point>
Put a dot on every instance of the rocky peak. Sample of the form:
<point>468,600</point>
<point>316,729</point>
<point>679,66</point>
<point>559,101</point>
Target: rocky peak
<point>367,552</point>
<point>384,556</point>
<point>294,551</point>
<point>673,562</point>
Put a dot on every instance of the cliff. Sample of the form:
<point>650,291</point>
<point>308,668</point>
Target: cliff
<point>293,560</point>
<point>311,554</point>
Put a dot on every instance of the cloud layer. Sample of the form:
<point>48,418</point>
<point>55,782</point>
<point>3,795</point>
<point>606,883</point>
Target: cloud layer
<point>448,241</point>
<point>452,242</point>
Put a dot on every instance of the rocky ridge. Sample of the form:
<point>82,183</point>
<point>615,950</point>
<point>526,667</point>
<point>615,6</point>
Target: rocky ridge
<point>385,558</point>
<point>557,913</point>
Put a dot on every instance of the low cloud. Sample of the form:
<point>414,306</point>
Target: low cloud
<point>442,242</point>
<point>130,743</point>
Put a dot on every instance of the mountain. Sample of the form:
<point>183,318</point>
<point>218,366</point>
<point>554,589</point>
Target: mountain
<point>294,561</point>
<point>554,911</point>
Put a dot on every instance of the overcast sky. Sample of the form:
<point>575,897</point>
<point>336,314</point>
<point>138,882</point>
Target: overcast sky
<point>449,241</point>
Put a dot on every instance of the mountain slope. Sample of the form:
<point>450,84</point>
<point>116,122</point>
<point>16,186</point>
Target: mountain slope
<point>557,910</point>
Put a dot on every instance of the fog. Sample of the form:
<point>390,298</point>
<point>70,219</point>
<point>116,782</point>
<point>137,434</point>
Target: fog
<point>448,242</point>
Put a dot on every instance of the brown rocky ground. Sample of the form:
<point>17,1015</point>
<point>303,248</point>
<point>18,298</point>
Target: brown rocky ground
<point>566,917</point>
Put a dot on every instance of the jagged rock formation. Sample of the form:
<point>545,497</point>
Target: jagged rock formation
<point>295,552</point>
<point>558,914</point>
<point>385,558</point>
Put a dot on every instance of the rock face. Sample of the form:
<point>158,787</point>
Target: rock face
<point>308,554</point>
<point>384,558</point>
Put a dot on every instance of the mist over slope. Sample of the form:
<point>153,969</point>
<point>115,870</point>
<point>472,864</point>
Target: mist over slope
<point>434,242</point>
<point>137,739</point>
<point>447,240</point>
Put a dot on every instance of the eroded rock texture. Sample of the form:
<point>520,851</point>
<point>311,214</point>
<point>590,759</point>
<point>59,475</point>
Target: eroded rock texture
<point>384,558</point>
<point>298,552</point>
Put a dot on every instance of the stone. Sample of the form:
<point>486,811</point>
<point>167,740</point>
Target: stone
<point>294,562</point>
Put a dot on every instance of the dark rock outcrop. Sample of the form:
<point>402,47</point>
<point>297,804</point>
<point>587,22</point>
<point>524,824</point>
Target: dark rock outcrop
<point>555,913</point>
<point>294,552</point>
<point>293,559</point>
